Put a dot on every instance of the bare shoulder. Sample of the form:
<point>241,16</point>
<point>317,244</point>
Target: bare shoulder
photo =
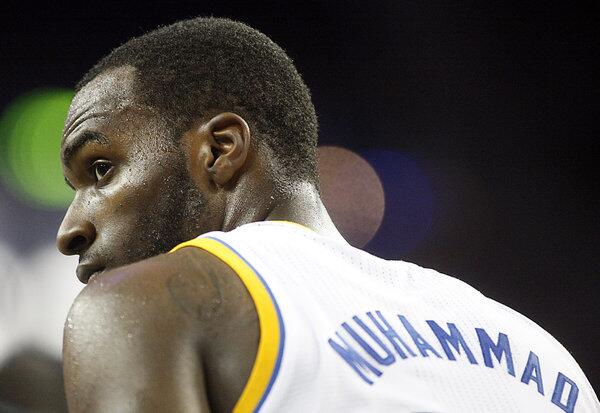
<point>139,330</point>
<point>189,285</point>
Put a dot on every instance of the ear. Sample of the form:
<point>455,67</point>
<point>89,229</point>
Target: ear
<point>224,147</point>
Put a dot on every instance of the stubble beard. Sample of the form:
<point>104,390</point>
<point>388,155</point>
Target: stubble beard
<point>177,216</point>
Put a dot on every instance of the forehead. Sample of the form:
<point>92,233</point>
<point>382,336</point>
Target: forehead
<point>106,95</point>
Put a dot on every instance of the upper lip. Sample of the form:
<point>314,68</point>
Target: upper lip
<point>85,270</point>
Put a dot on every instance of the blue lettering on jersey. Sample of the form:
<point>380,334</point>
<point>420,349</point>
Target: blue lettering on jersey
<point>354,360</point>
<point>420,342</point>
<point>454,338</point>
<point>488,346</point>
<point>451,341</point>
<point>393,337</point>
<point>532,372</point>
<point>383,360</point>
<point>559,389</point>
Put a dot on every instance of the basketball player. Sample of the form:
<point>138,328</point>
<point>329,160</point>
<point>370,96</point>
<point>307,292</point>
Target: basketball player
<point>199,139</point>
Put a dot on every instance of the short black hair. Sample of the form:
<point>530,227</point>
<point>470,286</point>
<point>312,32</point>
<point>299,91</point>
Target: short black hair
<point>194,68</point>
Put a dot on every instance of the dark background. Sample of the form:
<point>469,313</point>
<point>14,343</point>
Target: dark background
<point>495,107</point>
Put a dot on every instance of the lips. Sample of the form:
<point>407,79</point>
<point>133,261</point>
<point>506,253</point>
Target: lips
<point>86,271</point>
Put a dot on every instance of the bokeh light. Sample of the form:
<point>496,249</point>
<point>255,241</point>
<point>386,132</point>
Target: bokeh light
<point>37,292</point>
<point>352,193</point>
<point>30,132</point>
<point>409,203</point>
<point>10,276</point>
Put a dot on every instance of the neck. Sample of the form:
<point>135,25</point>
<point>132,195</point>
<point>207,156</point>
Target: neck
<point>299,203</point>
<point>303,205</point>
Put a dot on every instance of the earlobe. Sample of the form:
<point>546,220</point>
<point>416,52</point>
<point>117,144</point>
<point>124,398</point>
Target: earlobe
<point>228,135</point>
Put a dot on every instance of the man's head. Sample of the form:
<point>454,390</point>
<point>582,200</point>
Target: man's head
<point>171,130</point>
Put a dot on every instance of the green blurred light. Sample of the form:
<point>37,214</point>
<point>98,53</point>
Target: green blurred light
<point>30,133</point>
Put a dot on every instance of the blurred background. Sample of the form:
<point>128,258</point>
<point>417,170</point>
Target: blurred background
<point>461,137</point>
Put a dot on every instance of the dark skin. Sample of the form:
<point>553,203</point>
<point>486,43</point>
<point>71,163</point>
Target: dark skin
<point>154,331</point>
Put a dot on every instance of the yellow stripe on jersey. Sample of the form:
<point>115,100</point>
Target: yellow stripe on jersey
<point>295,224</point>
<point>272,334</point>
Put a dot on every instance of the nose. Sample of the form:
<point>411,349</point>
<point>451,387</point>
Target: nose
<point>75,237</point>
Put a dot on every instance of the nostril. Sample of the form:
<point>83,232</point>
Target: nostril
<point>77,244</point>
<point>75,237</point>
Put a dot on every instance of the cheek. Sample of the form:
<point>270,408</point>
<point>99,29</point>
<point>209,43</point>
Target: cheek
<point>125,200</point>
<point>129,223</point>
<point>143,196</point>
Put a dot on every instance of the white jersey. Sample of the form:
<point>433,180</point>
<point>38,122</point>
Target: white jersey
<point>345,331</point>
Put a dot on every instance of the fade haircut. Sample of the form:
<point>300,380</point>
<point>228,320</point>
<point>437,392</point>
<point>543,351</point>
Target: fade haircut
<point>195,68</point>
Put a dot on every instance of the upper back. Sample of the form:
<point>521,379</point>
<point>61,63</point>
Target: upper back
<point>343,329</point>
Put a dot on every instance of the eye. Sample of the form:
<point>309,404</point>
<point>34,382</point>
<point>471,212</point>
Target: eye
<point>101,168</point>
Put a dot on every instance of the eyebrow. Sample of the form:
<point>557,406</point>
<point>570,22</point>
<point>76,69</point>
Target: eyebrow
<point>75,145</point>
